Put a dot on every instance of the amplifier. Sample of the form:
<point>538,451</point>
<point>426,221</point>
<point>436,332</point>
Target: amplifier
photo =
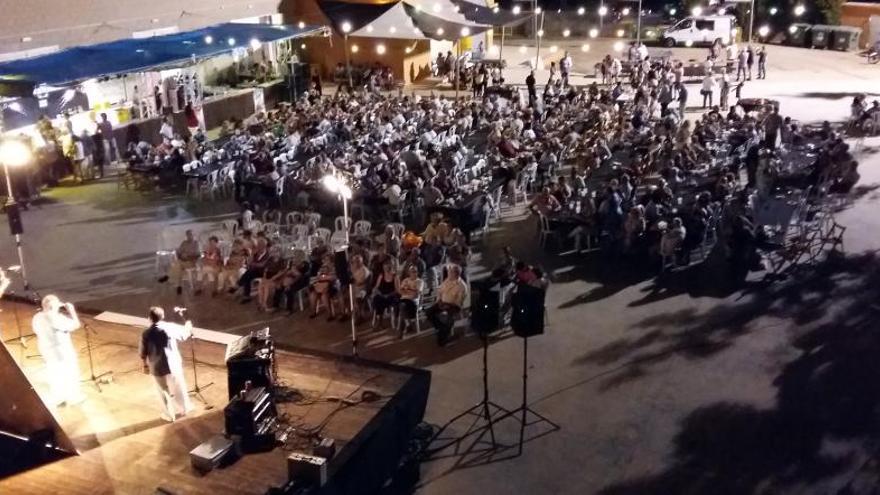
<point>210,454</point>
<point>250,414</point>
<point>309,468</point>
<point>250,359</point>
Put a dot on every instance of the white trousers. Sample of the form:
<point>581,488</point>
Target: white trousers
<point>173,394</point>
<point>63,378</point>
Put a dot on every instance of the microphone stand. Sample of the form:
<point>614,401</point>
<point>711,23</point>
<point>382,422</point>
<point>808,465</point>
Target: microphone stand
<point>196,391</point>
<point>95,379</point>
<point>21,339</point>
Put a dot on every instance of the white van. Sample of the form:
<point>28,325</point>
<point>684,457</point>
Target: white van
<point>701,29</point>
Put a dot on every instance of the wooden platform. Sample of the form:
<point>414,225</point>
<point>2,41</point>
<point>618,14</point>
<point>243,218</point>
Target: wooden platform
<point>125,447</point>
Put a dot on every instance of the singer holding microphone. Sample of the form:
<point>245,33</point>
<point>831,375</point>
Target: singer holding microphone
<point>161,357</point>
<point>53,329</point>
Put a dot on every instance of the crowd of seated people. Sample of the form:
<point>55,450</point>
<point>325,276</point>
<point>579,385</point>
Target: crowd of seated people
<point>611,164</point>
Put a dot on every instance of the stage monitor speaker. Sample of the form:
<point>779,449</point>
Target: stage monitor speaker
<point>485,308</point>
<point>528,311</point>
<point>13,214</point>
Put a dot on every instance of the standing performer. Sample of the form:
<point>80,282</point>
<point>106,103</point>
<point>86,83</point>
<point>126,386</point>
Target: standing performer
<point>53,340</point>
<point>158,350</point>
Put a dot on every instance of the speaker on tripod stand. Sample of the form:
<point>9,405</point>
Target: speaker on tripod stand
<point>527,318</point>
<point>527,321</point>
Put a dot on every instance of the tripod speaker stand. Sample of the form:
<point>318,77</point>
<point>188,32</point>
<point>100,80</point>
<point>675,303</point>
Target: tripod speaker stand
<point>485,411</point>
<point>524,410</point>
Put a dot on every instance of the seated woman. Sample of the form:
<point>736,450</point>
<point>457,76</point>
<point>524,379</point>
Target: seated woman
<point>672,238</point>
<point>324,287</point>
<point>294,279</point>
<point>271,280</point>
<point>212,263</point>
<point>360,280</point>
<point>411,288</point>
<point>231,271</point>
<point>386,290</point>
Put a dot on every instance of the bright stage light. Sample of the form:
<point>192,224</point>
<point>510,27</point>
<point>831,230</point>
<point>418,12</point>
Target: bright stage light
<point>14,153</point>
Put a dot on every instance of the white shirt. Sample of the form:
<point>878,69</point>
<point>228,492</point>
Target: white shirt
<point>166,131</point>
<point>393,194</point>
<point>53,335</point>
<point>452,292</point>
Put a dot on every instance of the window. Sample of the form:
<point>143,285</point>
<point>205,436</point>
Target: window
<point>685,24</point>
<point>705,25</point>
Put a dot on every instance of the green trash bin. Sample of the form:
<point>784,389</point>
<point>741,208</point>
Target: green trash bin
<point>797,34</point>
<point>821,35</point>
<point>845,38</point>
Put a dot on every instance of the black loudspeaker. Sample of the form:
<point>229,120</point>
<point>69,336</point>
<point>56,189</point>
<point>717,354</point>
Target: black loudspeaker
<point>340,263</point>
<point>527,318</point>
<point>485,308</point>
<point>14,216</point>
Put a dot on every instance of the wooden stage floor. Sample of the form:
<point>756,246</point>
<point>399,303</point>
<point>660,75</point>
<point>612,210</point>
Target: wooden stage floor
<point>126,448</point>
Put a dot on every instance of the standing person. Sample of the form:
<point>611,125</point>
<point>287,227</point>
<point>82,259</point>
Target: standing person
<point>615,69</point>
<point>105,128</point>
<point>53,340</point>
<point>750,60</point>
<point>98,155</point>
<point>479,79</point>
<point>724,93</point>
<point>565,66</point>
<point>664,97</point>
<point>530,84</point>
<point>742,61</point>
<point>166,131</point>
<point>450,299</point>
<point>772,123</point>
<point>762,63</point>
<point>161,358</point>
<point>708,89</point>
<point>192,119</point>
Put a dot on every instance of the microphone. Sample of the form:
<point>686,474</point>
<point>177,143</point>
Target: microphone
<point>179,310</point>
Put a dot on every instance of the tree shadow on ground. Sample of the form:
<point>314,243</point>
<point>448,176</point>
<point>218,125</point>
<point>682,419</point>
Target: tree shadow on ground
<point>820,435</point>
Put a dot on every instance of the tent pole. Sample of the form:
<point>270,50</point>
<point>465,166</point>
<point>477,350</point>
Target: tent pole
<point>458,56</point>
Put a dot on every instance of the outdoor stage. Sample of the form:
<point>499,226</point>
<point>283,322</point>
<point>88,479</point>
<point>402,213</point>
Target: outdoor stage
<point>125,448</point>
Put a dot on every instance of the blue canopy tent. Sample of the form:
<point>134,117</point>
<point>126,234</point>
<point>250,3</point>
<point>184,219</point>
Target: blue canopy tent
<point>134,55</point>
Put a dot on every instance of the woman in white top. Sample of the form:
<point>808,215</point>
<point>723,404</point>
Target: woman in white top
<point>410,293</point>
<point>708,89</point>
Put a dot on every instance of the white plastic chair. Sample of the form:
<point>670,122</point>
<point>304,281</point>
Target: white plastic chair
<point>313,218</point>
<point>323,233</point>
<point>230,226</point>
<point>294,218</point>
<point>397,228</point>
<point>341,224</point>
<point>363,228</point>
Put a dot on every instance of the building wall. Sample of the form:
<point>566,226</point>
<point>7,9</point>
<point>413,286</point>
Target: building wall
<point>33,24</point>
<point>858,15</point>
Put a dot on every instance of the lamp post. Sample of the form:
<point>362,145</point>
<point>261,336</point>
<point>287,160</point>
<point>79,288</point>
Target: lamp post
<point>337,186</point>
<point>15,153</point>
<point>465,32</point>
<point>346,28</point>
<point>603,11</point>
<point>639,25</point>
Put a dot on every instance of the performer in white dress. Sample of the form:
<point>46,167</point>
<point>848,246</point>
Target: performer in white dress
<point>53,329</point>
